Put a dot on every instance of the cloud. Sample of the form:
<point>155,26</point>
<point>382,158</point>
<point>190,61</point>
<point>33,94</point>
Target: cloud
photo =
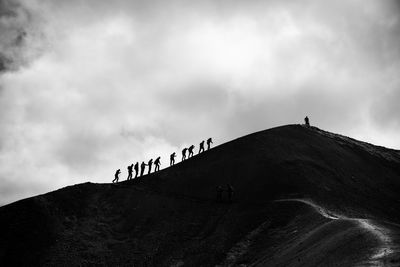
<point>88,86</point>
<point>21,38</point>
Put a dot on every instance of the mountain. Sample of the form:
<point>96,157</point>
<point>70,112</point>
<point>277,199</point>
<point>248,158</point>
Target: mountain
<point>302,197</point>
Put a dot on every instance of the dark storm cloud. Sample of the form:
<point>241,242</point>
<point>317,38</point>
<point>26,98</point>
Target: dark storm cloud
<point>20,36</point>
<point>107,83</point>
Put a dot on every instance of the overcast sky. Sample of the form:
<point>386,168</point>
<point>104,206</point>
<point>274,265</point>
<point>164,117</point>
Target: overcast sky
<point>87,87</point>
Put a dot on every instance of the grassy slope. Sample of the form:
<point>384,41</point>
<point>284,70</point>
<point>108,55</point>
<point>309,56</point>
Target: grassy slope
<point>171,218</point>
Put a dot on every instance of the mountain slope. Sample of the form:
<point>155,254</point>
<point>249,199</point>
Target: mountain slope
<point>171,218</point>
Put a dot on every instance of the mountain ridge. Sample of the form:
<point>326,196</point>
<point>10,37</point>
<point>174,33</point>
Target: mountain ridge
<point>171,217</point>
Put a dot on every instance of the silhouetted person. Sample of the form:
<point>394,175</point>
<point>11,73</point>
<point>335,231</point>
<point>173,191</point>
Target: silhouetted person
<point>157,163</point>
<point>201,148</point>
<point>130,170</point>
<point>136,169</point>
<point>229,189</point>
<point>209,142</point>
<point>142,167</point>
<point>307,121</point>
<point>150,164</point>
<point>172,159</point>
<point>184,153</point>
<point>220,190</point>
<point>116,176</point>
<point>190,149</point>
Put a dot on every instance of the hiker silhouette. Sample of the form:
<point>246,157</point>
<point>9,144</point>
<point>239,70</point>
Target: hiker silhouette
<point>142,168</point>
<point>184,153</point>
<point>116,178</point>
<point>130,167</point>
<point>220,190</point>
<point>157,163</point>
<point>190,149</point>
<point>150,164</point>
<point>209,142</point>
<point>201,147</point>
<point>172,159</point>
<point>307,121</point>
<point>136,169</point>
<point>230,190</point>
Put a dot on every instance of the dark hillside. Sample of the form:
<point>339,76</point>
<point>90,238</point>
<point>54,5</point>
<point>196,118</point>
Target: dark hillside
<point>342,208</point>
<point>331,169</point>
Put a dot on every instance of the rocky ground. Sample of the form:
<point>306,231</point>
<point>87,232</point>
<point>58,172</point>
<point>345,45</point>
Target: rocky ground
<point>303,197</point>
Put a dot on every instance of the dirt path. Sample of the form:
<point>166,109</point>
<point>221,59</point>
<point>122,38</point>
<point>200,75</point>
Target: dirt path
<point>387,247</point>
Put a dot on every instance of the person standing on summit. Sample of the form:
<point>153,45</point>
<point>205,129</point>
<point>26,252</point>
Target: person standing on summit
<point>190,151</point>
<point>172,159</point>
<point>307,121</point>
<point>201,147</point>
<point>209,142</point>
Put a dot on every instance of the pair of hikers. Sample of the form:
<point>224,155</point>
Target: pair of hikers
<point>229,190</point>
<point>201,149</point>
<point>130,172</point>
<point>190,150</point>
<point>150,163</point>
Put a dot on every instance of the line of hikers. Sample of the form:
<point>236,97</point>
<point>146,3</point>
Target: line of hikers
<point>190,150</point>
<point>157,162</point>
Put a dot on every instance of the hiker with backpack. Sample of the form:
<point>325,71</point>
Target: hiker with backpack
<point>116,176</point>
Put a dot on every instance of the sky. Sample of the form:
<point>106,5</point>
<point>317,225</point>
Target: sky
<point>87,87</point>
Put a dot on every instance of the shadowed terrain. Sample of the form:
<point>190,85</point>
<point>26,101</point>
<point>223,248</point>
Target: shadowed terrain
<point>303,197</point>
